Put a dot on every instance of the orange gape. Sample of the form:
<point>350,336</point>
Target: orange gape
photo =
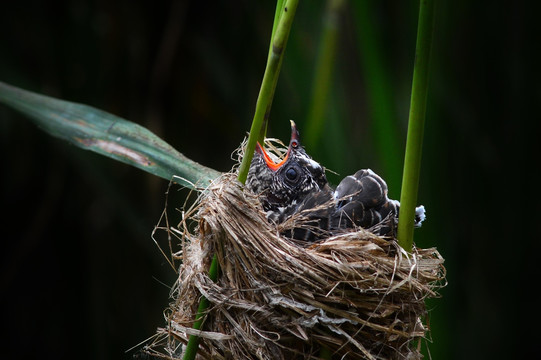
<point>271,164</point>
<point>297,184</point>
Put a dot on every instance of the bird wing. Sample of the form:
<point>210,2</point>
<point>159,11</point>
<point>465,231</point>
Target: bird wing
<point>362,201</point>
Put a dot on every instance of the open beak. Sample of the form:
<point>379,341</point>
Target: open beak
<point>294,142</point>
<point>270,163</point>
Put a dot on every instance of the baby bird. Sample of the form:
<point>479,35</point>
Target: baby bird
<point>297,184</point>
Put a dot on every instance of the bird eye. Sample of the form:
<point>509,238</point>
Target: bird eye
<point>291,174</point>
<point>294,144</point>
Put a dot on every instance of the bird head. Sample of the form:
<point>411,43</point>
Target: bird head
<point>289,180</point>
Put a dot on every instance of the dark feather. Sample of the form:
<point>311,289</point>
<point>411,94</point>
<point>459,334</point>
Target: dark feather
<point>299,186</point>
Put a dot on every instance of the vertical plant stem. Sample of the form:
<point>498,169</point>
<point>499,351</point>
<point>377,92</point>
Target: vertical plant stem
<point>193,341</point>
<point>379,93</point>
<point>277,13</point>
<point>284,15</point>
<point>414,142</point>
<point>320,89</point>
<point>321,84</point>
<point>279,9</point>
<point>323,72</point>
<point>268,85</point>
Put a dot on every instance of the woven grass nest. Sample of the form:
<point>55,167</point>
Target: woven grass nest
<point>356,294</point>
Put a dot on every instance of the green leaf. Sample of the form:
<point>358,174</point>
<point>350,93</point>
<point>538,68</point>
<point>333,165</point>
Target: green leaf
<point>107,134</point>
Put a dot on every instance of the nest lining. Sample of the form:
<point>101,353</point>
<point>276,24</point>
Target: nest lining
<point>357,294</point>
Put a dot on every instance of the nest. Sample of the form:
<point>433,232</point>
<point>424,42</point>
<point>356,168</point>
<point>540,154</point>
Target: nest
<point>355,295</point>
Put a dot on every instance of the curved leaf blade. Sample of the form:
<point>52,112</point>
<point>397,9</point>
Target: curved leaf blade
<point>106,134</point>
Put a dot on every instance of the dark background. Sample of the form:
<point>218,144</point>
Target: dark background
<point>80,275</point>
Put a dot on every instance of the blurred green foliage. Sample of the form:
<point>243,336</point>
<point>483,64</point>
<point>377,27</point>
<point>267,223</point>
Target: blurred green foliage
<point>80,274</point>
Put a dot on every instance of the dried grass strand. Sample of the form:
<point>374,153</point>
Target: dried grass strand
<point>359,295</point>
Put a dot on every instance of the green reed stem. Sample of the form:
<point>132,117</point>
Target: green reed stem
<point>323,72</point>
<point>279,9</point>
<point>268,85</point>
<point>193,341</point>
<point>414,142</point>
<point>379,92</point>
<point>285,12</point>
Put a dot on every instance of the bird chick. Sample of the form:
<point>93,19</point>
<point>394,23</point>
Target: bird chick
<point>297,184</point>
